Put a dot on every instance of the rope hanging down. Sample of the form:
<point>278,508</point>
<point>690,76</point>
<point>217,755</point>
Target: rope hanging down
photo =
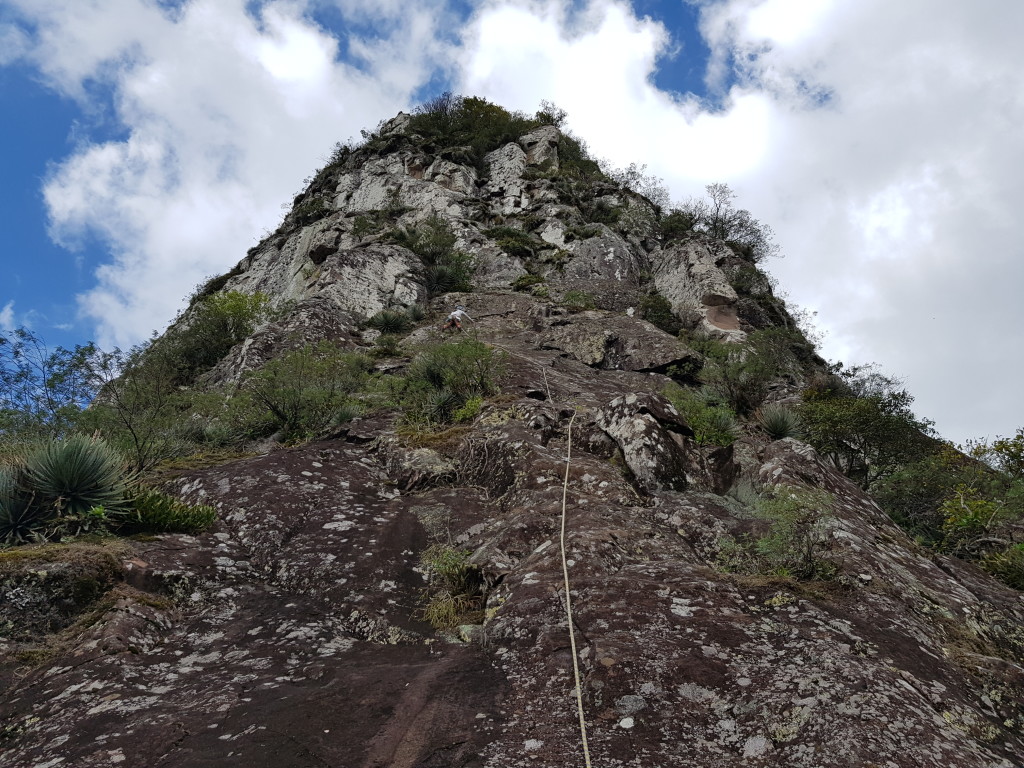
<point>568,600</point>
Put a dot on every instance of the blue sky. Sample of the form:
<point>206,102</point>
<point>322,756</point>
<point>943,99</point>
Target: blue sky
<point>145,145</point>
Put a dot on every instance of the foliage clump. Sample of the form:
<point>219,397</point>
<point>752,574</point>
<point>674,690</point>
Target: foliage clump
<point>715,216</point>
<point>578,301</point>
<point>796,543</point>
<point>469,121</point>
<point>453,593</point>
<point>778,421</point>
<point>515,242</point>
<point>866,428</point>
<point>712,422</point>
<point>443,379</point>
<point>445,269</point>
<point>656,309</point>
<point>80,485</point>
<point>156,512</point>
<point>303,393</point>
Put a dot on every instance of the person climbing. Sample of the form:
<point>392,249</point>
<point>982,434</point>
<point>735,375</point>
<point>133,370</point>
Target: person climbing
<point>455,318</point>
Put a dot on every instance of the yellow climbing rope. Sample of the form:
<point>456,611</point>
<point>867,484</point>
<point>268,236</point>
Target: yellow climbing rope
<point>568,599</point>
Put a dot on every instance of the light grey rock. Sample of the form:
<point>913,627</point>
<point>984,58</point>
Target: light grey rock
<point>646,429</point>
<point>506,185</point>
<point>541,146</point>
<point>687,275</point>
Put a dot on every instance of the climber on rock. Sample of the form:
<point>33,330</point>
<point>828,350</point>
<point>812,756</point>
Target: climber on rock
<point>455,319</point>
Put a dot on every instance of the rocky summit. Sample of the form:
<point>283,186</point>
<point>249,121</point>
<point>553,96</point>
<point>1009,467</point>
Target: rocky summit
<point>389,591</point>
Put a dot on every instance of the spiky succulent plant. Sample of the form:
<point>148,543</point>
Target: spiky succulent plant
<point>75,475</point>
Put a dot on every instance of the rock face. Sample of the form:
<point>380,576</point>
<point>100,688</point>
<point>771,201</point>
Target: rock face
<point>292,634</point>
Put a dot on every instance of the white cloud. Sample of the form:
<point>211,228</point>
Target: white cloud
<point>226,108</point>
<point>14,43</point>
<point>881,140</point>
<point>7,322</point>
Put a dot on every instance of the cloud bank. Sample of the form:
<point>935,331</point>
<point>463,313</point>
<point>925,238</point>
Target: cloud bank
<point>221,111</point>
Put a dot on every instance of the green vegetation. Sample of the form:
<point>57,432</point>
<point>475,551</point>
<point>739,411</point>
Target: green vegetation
<point>453,593</point>
<point>655,309</point>
<point>313,207</point>
<point>514,242</point>
<point>302,393</point>
<point>80,485</point>
<point>578,300</point>
<point>713,423</point>
<point>869,431</point>
<point>156,512</point>
<point>443,380</point>
<point>525,282</point>
<point>962,503</point>
<point>716,216</point>
<point>476,126</point>
<point>795,545</point>
<point>444,269</point>
<point>390,321</point>
<point>778,421</point>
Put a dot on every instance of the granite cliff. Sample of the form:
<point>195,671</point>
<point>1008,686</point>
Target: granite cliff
<point>295,631</point>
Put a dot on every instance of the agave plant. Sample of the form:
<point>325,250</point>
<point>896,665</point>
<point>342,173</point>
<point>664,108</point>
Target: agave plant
<point>441,278</point>
<point>389,321</point>
<point>416,313</point>
<point>75,475</point>
<point>779,421</point>
<point>21,521</point>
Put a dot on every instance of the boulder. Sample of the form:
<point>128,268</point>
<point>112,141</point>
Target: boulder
<point>688,276</point>
<point>541,146</point>
<point>608,341</point>
<point>647,430</point>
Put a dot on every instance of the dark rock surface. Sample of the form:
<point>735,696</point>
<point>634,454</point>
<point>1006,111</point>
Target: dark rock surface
<point>290,634</point>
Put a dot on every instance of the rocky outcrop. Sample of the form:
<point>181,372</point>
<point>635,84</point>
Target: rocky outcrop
<point>689,277</point>
<point>293,633</point>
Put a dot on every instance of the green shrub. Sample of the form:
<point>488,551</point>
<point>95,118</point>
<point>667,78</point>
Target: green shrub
<point>389,321</point>
<point>472,122</point>
<point>514,242</point>
<point>601,212</point>
<point>469,410</point>
<point>310,209</point>
<point>796,543</point>
<point>778,421</point>
<point>676,225</point>
<point>655,309</point>
<point>364,225</point>
<point>201,338</point>
<point>712,423</point>
<point>386,345</point>
<point>578,300</point>
<point>140,406</point>
<point>156,512</point>
<point>523,282</point>
<point>432,239</point>
<point>450,276</point>
<point>445,269</point>
<point>867,438</point>
<point>738,377</point>
<point>21,521</point>
<point>453,589</point>
<point>443,378</point>
<point>1007,565</point>
<point>715,216</point>
<point>303,391</point>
